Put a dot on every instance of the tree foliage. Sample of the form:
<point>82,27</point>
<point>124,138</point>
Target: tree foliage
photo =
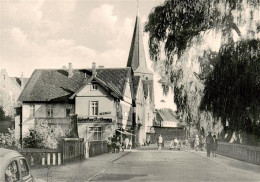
<point>2,114</point>
<point>3,117</point>
<point>233,87</point>
<point>182,28</point>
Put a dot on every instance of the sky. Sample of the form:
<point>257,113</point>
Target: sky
<point>37,34</point>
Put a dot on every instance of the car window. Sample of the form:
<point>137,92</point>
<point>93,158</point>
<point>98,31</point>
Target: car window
<point>24,167</point>
<point>12,172</point>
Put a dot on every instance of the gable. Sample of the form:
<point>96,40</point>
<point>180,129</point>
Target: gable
<point>140,93</point>
<point>87,90</point>
<point>127,93</point>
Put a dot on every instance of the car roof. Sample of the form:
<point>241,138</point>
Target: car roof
<point>6,156</point>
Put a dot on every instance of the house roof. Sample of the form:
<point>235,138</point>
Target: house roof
<point>166,115</point>
<point>55,85</point>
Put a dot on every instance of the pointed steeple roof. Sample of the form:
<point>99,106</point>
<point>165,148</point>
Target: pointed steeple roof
<point>136,58</point>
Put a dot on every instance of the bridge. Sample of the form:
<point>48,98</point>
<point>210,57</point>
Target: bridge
<point>149,164</point>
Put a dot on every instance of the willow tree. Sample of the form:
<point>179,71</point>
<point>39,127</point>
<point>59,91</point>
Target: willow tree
<point>232,89</point>
<point>185,37</point>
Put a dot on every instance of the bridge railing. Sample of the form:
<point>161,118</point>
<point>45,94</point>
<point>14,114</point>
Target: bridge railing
<point>242,152</point>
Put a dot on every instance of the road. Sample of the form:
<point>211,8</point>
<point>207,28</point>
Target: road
<point>154,165</point>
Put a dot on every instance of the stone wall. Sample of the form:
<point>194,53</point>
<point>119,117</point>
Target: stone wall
<point>169,133</point>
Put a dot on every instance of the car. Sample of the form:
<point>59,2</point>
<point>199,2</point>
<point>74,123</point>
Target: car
<point>14,167</point>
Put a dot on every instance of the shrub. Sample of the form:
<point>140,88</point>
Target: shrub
<point>44,136</point>
<point>8,140</point>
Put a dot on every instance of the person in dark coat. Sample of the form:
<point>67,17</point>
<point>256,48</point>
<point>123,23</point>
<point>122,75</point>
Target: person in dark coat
<point>114,143</point>
<point>214,146</point>
<point>209,143</point>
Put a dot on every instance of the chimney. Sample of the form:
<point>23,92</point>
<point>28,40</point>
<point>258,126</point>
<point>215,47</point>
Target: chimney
<point>94,71</point>
<point>70,71</point>
<point>22,81</point>
<point>101,66</point>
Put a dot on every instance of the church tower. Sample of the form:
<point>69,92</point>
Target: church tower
<point>143,114</point>
<point>137,61</point>
<point>136,58</point>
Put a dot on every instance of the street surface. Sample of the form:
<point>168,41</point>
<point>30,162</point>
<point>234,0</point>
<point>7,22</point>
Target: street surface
<point>149,164</point>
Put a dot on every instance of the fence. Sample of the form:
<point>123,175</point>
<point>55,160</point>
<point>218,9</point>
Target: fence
<point>42,157</point>
<point>97,148</point>
<point>242,152</point>
<point>73,149</point>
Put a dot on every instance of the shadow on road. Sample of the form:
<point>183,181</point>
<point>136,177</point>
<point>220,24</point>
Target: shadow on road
<point>118,177</point>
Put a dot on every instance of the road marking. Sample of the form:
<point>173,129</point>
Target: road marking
<point>95,175</point>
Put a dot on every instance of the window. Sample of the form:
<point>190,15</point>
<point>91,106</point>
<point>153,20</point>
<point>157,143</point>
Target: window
<point>93,86</point>
<point>50,111</point>
<point>94,108</point>
<point>24,168</point>
<point>68,110</point>
<point>96,133</point>
<point>32,110</point>
<point>12,172</point>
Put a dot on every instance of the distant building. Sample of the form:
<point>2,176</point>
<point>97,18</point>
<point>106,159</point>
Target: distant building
<point>106,101</point>
<point>166,119</point>
<point>10,89</point>
<point>167,125</point>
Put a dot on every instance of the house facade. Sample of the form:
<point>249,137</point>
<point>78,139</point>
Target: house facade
<point>101,107</point>
<point>10,89</point>
<point>168,126</point>
<point>107,101</point>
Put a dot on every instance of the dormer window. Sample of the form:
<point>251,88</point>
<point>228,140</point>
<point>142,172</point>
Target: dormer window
<point>93,86</point>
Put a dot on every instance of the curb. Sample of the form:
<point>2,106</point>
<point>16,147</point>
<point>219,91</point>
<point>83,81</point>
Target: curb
<point>125,153</point>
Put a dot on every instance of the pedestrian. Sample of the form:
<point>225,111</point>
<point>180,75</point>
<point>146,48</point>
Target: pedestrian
<point>209,142</point>
<point>160,141</point>
<point>118,144</point>
<point>130,144</point>
<point>175,142</point>
<point>202,143</point>
<point>214,146</point>
<point>196,142</point>
<point>126,142</point>
<point>109,144</point>
<point>114,144</point>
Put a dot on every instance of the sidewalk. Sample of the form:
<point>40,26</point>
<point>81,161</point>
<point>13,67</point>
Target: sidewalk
<point>227,161</point>
<point>84,170</point>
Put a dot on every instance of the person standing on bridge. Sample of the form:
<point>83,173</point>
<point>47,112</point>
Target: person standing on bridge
<point>214,146</point>
<point>160,141</point>
<point>126,142</point>
<point>196,143</point>
<point>209,143</point>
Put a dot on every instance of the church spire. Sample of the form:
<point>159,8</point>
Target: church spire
<point>136,58</point>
